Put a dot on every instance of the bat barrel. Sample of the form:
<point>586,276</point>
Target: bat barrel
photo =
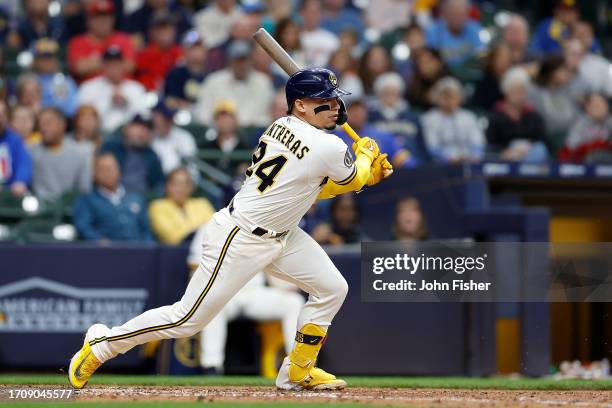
<point>278,54</point>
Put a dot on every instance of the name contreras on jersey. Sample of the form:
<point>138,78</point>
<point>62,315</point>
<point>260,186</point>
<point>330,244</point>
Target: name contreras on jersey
<point>286,137</point>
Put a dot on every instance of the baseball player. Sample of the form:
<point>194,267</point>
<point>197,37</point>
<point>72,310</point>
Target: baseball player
<point>295,163</point>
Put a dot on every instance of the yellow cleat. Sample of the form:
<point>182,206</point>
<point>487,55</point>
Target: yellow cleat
<point>319,380</point>
<point>82,366</point>
<point>302,371</point>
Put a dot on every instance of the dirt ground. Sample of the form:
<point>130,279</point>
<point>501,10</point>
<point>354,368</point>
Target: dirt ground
<point>376,396</point>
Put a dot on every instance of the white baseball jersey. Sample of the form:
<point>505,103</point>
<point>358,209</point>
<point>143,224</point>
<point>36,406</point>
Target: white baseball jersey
<point>290,166</point>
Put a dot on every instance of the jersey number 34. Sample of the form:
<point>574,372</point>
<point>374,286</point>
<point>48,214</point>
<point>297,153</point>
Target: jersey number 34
<point>267,170</point>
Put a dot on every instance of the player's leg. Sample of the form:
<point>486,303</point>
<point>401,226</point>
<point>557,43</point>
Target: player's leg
<point>304,263</point>
<point>214,336</point>
<point>279,304</point>
<point>230,258</point>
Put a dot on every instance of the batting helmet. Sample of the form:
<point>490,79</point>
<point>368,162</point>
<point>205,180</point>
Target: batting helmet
<point>318,83</point>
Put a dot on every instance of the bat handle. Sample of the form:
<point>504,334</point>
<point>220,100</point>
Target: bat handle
<point>349,130</point>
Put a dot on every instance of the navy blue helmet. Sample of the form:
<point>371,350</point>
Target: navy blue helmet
<point>318,83</point>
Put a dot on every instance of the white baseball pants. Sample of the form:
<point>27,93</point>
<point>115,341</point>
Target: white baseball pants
<point>232,255</point>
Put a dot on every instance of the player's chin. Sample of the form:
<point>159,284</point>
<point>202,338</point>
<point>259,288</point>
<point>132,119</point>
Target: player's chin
<point>331,127</point>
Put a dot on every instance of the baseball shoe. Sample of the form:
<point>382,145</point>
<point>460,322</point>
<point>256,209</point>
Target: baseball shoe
<point>82,366</point>
<point>316,380</point>
<point>320,380</point>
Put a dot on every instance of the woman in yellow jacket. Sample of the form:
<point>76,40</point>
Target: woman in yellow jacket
<point>176,216</point>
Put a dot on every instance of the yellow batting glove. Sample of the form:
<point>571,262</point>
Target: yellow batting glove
<point>366,146</point>
<point>387,168</point>
<point>380,169</point>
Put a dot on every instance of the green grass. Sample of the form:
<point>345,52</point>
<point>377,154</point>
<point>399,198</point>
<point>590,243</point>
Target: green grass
<point>385,382</point>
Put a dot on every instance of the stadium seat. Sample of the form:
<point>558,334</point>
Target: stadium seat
<point>45,231</point>
<point>199,133</point>
<point>16,208</point>
<point>63,206</point>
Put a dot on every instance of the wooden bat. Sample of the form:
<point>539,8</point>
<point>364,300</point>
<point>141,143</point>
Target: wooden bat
<point>284,60</point>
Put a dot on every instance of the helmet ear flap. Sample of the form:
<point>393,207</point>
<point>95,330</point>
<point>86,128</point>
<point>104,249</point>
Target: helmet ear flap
<point>342,114</point>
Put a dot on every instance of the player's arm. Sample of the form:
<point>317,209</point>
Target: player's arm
<point>366,151</point>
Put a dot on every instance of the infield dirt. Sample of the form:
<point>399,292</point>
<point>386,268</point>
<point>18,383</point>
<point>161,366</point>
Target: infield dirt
<point>374,396</point>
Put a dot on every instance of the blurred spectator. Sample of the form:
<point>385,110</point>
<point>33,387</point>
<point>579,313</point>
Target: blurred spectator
<point>171,143</point>
<point>516,132</point>
<point>387,15</point>
<point>452,134</point>
<point>279,106</point>
<point>28,92</point>
<point>516,37</point>
<point>345,227</point>
<point>224,135</point>
<point>5,25</point>
<point>87,127</point>
<point>488,91</point>
<point>390,112</point>
<point>109,212</point>
<point>358,119</point>
<point>214,23</point>
<point>553,99</point>
<point>85,51</point>
<point>287,34</point>
<point>15,160</point>
<point>262,62</point>
<point>7,84</point>
<point>277,10</point>
<point>429,68</point>
<point>317,42</point>
<point>593,71</point>
<point>454,34</point>
<point>245,26</point>
<point>115,97</point>
<point>141,169</point>
<point>346,68</point>
<point>240,83</point>
<point>183,82</point>
<point>550,33</point>
<point>349,41</point>
<point>413,39</point>
<point>37,23</point>
<point>590,138</point>
<point>177,216</point>
<point>58,89</point>
<point>23,121</point>
<point>337,17</point>
<point>410,224</point>
<point>583,31</point>
<point>316,216</point>
<point>60,164</point>
<point>140,21</point>
<point>374,62</point>
<point>161,53</point>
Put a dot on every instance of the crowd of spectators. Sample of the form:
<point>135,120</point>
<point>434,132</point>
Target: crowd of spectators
<point>100,97</point>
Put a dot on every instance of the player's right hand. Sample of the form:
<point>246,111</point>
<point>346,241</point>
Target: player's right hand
<point>379,170</point>
<point>366,146</point>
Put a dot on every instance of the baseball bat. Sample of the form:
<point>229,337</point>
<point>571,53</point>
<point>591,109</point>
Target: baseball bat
<point>284,60</point>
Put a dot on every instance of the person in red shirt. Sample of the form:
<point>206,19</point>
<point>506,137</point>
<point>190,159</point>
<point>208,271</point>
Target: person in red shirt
<point>85,50</point>
<point>156,59</point>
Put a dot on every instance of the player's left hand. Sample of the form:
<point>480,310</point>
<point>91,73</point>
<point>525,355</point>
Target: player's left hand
<point>366,146</point>
<point>381,168</point>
